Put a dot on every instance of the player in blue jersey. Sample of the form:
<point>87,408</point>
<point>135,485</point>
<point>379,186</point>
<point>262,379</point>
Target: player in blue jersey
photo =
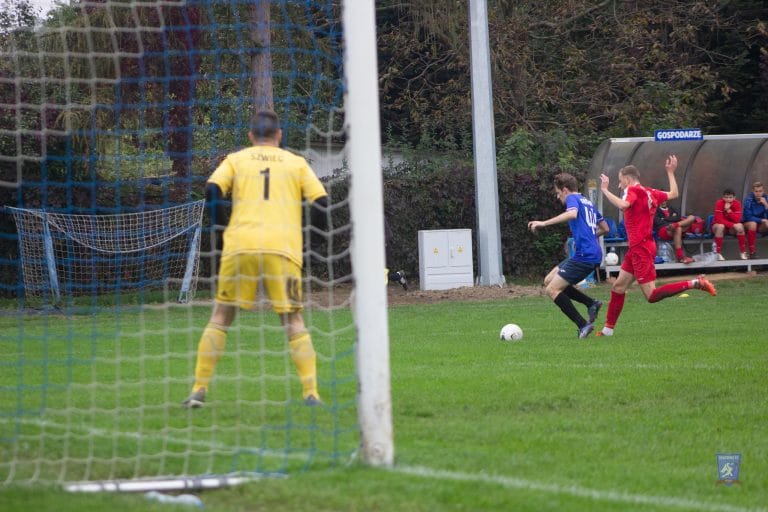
<point>754,215</point>
<point>586,224</point>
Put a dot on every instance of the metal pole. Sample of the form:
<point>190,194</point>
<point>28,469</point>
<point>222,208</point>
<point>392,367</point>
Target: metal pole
<point>490,272</point>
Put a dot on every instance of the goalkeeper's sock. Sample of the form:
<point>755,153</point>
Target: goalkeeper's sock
<point>209,350</point>
<point>304,358</point>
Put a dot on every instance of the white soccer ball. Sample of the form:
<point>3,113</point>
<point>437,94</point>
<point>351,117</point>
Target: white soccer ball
<point>611,258</point>
<point>511,332</point>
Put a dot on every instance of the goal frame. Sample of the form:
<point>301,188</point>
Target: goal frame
<point>367,212</point>
<point>369,303</point>
<point>48,274</point>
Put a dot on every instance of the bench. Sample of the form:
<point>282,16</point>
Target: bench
<point>693,245</point>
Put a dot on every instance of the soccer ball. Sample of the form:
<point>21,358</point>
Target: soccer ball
<point>511,332</point>
<point>611,258</point>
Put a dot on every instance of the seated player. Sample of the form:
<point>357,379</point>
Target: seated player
<point>728,221</point>
<point>755,215</point>
<point>669,225</point>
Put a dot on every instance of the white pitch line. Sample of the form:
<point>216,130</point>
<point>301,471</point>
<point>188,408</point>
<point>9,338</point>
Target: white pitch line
<point>628,366</point>
<point>573,490</point>
<point>505,481</point>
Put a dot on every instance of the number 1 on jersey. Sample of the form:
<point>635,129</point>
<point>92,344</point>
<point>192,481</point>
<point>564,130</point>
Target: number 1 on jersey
<point>265,173</point>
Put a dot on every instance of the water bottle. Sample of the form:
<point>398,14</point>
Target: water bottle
<point>181,499</point>
<point>665,252</point>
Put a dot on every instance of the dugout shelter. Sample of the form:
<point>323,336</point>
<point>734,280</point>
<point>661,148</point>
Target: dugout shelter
<point>705,168</point>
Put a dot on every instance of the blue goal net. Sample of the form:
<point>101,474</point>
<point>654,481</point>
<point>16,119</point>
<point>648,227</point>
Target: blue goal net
<point>113,114</point>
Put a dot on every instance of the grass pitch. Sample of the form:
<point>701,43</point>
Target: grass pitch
<point>631,422</point>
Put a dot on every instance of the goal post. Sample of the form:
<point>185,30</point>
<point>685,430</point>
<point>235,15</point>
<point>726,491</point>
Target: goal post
<point>367,206</point>
<point>113,116</point>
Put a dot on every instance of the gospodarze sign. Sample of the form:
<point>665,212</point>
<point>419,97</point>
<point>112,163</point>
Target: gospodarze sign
<point>678,134</point>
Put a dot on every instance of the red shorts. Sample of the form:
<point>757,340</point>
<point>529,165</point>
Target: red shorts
<point>639,261</point>
<point>663,234</point>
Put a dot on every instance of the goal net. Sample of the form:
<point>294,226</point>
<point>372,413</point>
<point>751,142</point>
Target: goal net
<point>113,114</point>
<point>65,256</point>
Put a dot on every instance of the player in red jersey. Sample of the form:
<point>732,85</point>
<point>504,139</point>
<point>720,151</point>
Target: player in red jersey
<point>670,226</point>
<point>728,221</point>
<point>639,205</point>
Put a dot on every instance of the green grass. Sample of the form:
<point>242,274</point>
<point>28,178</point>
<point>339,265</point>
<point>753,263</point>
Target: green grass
<point>632,422</point>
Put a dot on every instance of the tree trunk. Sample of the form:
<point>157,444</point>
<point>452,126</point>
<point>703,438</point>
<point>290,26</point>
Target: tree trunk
<point>262,59</point>
<point>181,89</point>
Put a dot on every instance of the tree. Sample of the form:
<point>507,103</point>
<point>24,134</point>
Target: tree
<point>262,59</point>
<point>608,68</point>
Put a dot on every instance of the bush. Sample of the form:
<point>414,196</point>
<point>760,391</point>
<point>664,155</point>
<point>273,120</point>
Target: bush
<point>426,197</point>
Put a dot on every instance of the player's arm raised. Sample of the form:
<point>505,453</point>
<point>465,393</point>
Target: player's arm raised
<point>671,166</point>
<point>615,200</point>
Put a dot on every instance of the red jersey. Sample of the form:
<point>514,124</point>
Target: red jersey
<point>728,219</point>
<point>638,216</point>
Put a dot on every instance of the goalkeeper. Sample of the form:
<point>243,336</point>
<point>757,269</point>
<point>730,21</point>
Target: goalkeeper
<point>262,243</point>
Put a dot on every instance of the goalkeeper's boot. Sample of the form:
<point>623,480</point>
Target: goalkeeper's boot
<point>312,401</point>
<point>593,310</point>
<point>195,400</point>
<point>704,284</point>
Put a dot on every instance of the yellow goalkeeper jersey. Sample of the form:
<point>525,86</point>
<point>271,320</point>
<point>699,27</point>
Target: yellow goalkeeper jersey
<point>267,185</point>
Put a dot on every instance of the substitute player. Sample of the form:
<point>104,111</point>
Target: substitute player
<point>639,205</point>
<point>262,244</point>
<point>755,215</point>
<point>586,224</point>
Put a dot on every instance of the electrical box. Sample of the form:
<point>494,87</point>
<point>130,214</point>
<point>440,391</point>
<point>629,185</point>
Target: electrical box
<point>445,259</point>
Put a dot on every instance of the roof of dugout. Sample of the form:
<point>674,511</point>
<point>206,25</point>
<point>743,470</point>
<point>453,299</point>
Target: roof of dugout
<point>705,168</point>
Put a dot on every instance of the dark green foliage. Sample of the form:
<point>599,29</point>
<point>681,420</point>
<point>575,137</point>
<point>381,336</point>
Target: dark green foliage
<point>419,196</point>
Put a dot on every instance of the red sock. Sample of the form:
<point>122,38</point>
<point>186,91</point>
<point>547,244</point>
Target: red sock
<point>668,290</point>
<point>679,253</point>
<point>615,306</point>
<point>751,237</point>
<point>719,244</point>
<point>742,242</point>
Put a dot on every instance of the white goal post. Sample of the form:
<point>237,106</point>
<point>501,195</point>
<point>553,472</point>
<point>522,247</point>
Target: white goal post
<point>367,207</point>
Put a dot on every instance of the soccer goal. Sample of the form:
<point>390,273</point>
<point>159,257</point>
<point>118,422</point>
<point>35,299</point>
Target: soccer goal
<point>114,114</point>
<point>65,256</point>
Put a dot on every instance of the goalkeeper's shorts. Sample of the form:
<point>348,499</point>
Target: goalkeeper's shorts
<point>241,273</point>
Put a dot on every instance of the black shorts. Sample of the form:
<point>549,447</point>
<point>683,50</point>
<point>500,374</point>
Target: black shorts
<point>574,272</point>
